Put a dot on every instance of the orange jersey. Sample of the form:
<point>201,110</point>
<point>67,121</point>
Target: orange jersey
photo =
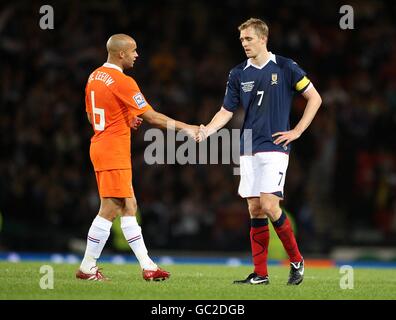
<point>112,99</point>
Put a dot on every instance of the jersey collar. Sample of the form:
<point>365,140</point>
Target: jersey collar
<point>112,65</point>
<point>249,63</point>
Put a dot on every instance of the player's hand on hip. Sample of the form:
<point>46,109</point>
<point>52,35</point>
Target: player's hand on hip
<point>136,122</point>
<point>285,137</point>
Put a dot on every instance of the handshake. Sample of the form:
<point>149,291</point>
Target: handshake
<point>198,133</point>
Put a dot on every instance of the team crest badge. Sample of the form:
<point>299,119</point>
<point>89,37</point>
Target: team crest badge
<point>274,79</point>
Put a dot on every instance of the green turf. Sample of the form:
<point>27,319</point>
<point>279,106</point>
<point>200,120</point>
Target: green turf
<point>191,282</point>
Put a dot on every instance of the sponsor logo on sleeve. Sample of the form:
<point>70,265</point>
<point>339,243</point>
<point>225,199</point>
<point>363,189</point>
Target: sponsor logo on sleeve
<point>139,100</point>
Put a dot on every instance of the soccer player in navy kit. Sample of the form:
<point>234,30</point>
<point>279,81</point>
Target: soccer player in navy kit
<point>264,85</point>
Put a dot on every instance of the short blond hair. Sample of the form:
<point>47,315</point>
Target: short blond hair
<point>258,25</point>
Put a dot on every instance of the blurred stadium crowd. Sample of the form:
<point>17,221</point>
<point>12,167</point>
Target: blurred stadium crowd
<point>341,180</point>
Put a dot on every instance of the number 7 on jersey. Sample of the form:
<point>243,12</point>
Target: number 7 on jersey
<point>261,94</point>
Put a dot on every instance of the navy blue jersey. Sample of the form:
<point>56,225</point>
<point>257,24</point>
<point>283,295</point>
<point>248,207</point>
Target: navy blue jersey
<point>266,95</point>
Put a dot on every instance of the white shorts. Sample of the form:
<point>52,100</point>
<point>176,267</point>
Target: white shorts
<point>264,172</point>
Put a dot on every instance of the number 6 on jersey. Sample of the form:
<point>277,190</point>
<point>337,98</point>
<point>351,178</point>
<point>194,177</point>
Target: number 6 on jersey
<point>97,111</point>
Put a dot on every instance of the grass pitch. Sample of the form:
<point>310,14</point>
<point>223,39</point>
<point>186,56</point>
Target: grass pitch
<point>190,282</point>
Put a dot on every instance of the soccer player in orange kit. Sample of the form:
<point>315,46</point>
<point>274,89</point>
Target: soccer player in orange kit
<point>113,105</point>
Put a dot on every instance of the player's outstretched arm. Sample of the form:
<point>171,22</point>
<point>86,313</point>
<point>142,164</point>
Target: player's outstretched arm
<point>313,103</point>
<point>219,120</point>
<point>164,122</point>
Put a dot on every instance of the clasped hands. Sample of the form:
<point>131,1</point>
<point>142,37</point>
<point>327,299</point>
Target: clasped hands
<point>197,133</point>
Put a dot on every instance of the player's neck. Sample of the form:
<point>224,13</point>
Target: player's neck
<point>112,61</point>
<point>261,58</point>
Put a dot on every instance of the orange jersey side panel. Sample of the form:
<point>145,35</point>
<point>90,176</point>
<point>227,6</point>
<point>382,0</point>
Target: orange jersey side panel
<point>112,99</point>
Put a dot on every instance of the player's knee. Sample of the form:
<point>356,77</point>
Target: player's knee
<point>270,208</point>
<point>108,215</point>
<point>255,211</point>
<point>110,208</point>
<point>128,212</point>
<point>130,208</point>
